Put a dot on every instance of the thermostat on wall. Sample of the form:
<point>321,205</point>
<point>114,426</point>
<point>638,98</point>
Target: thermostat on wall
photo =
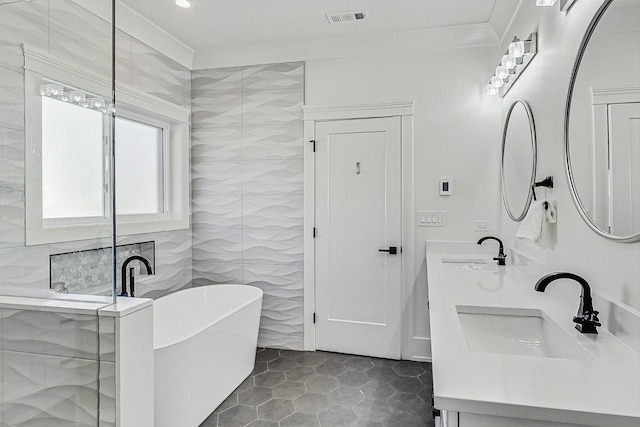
<point>445,186</point>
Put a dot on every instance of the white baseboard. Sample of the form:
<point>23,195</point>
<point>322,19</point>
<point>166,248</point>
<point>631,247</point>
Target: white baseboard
<point>421,350</point>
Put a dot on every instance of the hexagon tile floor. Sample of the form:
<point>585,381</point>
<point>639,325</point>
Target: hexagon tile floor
<point>319,389</point>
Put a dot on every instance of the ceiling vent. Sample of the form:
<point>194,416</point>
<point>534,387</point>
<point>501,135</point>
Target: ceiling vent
<point>336,18</point>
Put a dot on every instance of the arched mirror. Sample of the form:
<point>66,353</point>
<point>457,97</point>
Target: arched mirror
<point>518,170</point>
<point>602,123</point>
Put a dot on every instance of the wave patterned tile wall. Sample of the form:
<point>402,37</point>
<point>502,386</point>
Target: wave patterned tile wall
<point>247,182</point>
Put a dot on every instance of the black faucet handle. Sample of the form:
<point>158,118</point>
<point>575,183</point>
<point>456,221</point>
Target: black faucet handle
<point>587,322</point>
<point>500,258</point>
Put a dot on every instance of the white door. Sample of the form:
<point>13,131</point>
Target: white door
<point>624,157</point>
<point>358,214</point>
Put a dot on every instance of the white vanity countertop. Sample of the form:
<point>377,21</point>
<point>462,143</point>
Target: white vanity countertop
<point>603,390</point>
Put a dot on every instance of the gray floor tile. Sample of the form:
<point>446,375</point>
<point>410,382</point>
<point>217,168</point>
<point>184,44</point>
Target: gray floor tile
<point>382,373</point>
<point>357,363</point>
<point>365,423</point>
<point>407,384</point>
<point>346,396</point>
<point>372,410</point>
<point>246,384</point>
<point>312,359</point>
<point>409,369</point>
<point>255,396</point>
<point>352,378</point>
<point>300,420</point>
<point>259,368</point>
<point>263,423</point>
<point>311,403</point>
<point>322,384</point>
<point>337,416</point>
<point>275,409</point>
<point>300,373</point>
<point>238,416</point>
<point>426,378</point>
<point>375,389</point>
<point>404,419</point>
<point>269,379</point>
<point>290,388</point>
<point>267,355</point>
<point>407,402</point>
<point>330,368</point>
<point>229,402</point>
<point>282,364</point>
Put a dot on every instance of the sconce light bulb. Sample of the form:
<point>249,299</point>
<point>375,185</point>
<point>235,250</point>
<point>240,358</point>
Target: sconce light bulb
<point>545,2</point>
<point>501,72</point>
<point>185,4</point>
<point>516,48</point>
<point>508,62</point>
<point>491,91</point>
<point>497,82</point>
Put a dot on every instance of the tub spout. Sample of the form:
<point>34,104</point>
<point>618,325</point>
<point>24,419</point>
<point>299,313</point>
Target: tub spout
<point>125,264</point>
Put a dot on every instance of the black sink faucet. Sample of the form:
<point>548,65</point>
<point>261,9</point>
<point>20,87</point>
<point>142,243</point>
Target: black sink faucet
<point>501,256</point>
<point>587,318</point>
<point>125,264</point>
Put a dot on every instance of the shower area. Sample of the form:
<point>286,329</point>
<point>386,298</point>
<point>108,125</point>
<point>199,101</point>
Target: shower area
<point>70,86</point>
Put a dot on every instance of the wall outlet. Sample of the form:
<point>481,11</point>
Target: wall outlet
<point>482,226</point>
<point>431,219</point>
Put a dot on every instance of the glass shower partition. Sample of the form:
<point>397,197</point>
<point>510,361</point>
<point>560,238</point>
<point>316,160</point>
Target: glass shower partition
<point>57,270</point>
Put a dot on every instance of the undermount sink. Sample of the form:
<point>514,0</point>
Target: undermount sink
<point>520,332</point>
<point>469,264</point>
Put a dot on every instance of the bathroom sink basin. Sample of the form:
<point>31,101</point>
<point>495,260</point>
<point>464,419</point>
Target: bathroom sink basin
<point>469,264</point>
<point>520,332</point>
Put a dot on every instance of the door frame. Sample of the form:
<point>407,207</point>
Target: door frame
<point>314,114</point>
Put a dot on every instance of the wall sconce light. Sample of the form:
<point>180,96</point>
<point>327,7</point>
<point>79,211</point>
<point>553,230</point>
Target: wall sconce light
<point>75,96</point>
<point>513,62</point>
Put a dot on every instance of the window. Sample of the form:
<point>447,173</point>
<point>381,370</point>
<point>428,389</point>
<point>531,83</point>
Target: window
<point>68,159</point>
<point>72,135</point>
<point>139,167</point>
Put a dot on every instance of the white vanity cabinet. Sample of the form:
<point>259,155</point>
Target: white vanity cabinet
<point>457,419</point>
<point>538,371</point>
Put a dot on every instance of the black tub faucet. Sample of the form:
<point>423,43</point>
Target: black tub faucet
<point>125,264</point>
<point>587,318</point>
<point>501,256</point>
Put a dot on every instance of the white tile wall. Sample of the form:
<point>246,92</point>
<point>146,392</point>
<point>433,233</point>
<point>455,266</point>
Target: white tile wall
<point>247,178</point>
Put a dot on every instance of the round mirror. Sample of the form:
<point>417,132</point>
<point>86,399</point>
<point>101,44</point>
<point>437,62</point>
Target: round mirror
<point>518,170</point>
<point>602,123</point>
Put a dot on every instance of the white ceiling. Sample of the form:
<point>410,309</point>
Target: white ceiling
<point>216,23</point>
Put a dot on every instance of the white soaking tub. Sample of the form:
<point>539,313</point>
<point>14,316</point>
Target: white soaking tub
<point>204,341</point>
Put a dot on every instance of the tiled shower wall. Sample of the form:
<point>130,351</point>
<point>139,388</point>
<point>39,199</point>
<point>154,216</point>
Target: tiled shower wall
<point>247,189</point>
<point>51,362</point>
<point>73,35</point>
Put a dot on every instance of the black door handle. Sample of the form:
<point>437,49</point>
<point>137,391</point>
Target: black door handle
<point>393,250</point>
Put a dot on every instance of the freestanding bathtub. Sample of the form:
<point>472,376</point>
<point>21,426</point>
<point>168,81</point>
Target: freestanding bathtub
<point>204,342</point>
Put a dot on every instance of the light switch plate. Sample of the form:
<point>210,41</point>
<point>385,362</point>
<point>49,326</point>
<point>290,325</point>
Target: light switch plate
<point>431,219</point>
<point>482,226</point>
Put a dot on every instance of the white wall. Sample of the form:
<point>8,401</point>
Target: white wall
<point>613,269</point>
<point>456,135</point>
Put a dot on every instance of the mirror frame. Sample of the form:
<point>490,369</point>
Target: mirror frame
<point>567,155</point>
<point>534,160</point>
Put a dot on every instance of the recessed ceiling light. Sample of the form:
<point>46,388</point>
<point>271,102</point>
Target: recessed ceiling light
<point>183,3</point>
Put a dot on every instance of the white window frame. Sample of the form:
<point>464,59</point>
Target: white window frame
<point>130,104</point>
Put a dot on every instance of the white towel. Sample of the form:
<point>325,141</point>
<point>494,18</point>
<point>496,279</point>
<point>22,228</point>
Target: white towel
<point>531,227</point>
<point>550,214</point>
